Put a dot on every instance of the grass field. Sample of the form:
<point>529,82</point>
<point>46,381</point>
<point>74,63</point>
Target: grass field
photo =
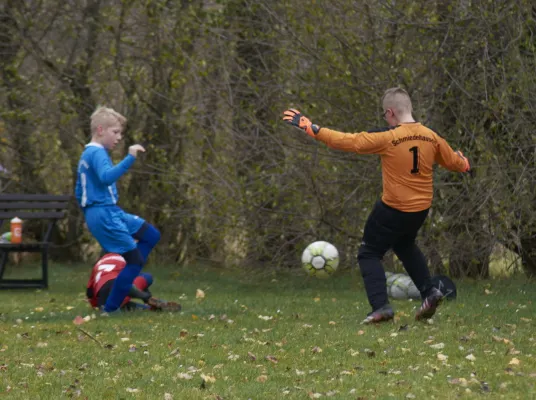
<point>264,335</point>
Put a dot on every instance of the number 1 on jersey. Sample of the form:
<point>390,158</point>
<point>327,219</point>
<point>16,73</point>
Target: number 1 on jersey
<point>415,151</point>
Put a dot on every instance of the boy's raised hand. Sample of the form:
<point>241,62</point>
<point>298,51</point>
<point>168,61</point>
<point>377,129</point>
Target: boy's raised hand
<point>295,118</point>
<point>133,150</point>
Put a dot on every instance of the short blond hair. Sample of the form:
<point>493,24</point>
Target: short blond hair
<point>397,99</point>
<point>106,117</point>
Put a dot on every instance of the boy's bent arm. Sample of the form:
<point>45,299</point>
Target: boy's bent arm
<point>362,143</point>
<point>448,158</point>
<point>107,173</point>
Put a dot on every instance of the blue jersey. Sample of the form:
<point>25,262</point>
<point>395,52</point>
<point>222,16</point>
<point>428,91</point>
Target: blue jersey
<point>96,177</point>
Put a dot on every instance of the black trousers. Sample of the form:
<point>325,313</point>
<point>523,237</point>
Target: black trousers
<point>387,228</point>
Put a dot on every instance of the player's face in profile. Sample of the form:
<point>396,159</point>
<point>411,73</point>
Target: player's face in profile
<point>111,136</point>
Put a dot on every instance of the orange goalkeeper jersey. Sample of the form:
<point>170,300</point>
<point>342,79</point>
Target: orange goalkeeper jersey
<point>408,153</point>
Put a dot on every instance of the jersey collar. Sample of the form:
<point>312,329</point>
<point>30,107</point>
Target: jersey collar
<point>93,144</point>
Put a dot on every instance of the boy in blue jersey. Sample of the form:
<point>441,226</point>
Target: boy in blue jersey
<point>96,192</point>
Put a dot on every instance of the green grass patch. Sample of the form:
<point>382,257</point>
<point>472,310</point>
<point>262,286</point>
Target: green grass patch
<point>265,335</point>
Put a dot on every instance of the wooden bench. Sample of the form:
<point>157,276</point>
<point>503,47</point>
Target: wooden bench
<point>50,208</point>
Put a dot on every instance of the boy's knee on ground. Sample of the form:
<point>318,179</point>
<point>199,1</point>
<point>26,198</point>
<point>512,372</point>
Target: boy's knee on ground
<point>148,278</point>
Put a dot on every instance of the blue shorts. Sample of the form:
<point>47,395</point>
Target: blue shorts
<point>113,228</point>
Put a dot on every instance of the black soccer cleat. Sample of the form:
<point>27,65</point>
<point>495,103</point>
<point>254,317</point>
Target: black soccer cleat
<point>429,305</point>
<point>385,313</point>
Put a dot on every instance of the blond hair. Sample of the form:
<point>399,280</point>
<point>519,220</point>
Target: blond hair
<point>106,117</point>
<point>397,99</point>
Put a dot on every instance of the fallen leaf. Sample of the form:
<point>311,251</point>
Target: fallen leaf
<point>131,390</point>
<point>78,320</point>
<point>459,381</point>
<point>39,309</point>
<point>168,396</point>
<point>199,294</point>
<point>262,378</point>
<point>316,349</point>
<point>183,333</point>
<point>272,359</point>
<point>208,378</point>
<point>442,357</point>
<point>470,357</point>
<point>514,361</point>
<point>438,346</point>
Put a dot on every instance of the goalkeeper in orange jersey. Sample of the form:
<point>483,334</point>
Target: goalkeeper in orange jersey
<point>408,151</point>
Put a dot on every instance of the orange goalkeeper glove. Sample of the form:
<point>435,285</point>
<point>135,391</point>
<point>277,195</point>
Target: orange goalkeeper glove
<point>295,118</point>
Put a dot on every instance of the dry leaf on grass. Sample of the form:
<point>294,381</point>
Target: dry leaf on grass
<point>272,359</point>
<point>208,378</point>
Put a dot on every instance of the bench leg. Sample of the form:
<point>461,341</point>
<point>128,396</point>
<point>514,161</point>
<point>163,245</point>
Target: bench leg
<point>3,261</point>
<point>44,256</point>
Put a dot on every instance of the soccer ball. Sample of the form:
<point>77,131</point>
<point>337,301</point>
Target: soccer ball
<point>320,259</point>
<point>400,286</point>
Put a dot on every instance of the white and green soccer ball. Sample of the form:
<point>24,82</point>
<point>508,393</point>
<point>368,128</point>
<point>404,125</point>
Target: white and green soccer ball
<point>320,259</point>
<point>401,287</point>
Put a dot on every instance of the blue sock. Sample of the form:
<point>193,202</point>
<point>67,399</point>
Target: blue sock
<point>121,287</point>
<point>140,306</point>
<point>148,278</point>
<point>147,240</point>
